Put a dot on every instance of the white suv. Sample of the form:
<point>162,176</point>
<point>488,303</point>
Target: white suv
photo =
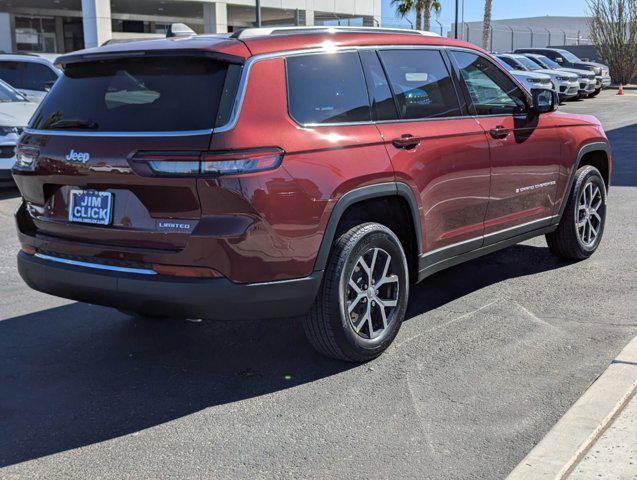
<point>15,113</point>
<point>29,74</point>
<point>565,83</point>
<point>546,62</point>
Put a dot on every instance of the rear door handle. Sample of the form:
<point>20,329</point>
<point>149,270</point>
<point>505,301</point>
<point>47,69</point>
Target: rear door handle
<point>406,141</point>
<point>500,132</point>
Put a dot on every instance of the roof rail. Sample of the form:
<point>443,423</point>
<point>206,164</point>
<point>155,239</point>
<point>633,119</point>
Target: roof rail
<point>275,31</point>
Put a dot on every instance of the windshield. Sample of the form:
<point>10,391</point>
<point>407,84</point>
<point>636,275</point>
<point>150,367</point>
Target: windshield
<point>135,94</point>
<point>548,62</point>
<point>8,94</point>
<point>511,62</point>
<point>504,64</point>
<point>568,56</point>
<point>528,63</point>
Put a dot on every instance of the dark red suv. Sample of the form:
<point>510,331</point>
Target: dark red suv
<point>284,172</point>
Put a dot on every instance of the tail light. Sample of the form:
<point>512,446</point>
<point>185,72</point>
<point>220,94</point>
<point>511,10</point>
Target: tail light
<point>189,164</point>
<point>25,158</point>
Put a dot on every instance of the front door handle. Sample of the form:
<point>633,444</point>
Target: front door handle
<point>500,132</point>
<point>406,142</point>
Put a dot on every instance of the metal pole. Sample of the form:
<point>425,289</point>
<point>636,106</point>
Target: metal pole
<point>531,30</point>
<point>455,35</point>
<point>258,6</point>
<point>462,31</point>
<point>549,32</point>
<point>512,39</point>
<point>436,20</point>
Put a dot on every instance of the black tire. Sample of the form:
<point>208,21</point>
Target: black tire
<point>328,326</point>
<point>595,93</point>
<point>569,240</point>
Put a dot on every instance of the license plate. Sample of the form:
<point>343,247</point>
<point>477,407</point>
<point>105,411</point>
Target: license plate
<point>90,206</point>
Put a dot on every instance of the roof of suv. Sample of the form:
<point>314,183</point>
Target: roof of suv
<point>272,40</point>
<point>25,57</point>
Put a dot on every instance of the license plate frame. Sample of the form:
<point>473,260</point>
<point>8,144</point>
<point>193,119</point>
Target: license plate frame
<point>91,211</point>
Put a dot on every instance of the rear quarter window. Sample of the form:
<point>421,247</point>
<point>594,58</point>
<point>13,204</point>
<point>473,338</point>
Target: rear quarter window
<point>137,94</point>
<point>327,88</point>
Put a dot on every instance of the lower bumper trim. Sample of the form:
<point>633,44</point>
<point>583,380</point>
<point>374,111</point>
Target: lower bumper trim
<point>216,298</point>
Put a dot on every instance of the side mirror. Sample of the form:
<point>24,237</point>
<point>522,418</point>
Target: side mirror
<point>559,60</point>
<point>544,100</point>
<point>585,59</point>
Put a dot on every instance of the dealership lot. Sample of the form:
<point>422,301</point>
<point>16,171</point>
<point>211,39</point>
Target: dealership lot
<point>492,354</point>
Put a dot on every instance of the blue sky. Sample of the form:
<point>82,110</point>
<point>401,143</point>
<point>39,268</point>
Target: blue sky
<point>474,9</point>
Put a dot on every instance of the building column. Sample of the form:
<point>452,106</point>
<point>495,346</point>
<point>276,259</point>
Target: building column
<point>215,17</point>
<point>309,18</point>
<point>6,33</point>
<point>97,22</point>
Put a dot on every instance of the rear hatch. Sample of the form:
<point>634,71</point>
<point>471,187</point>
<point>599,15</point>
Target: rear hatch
<point>118,142</point>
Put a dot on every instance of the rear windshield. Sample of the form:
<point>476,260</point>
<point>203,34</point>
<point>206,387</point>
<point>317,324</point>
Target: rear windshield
<point>135,95</point>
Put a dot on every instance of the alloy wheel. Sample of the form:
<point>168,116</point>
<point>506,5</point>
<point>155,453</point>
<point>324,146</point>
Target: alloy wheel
<point>588,219</point>
<point>372,294</point>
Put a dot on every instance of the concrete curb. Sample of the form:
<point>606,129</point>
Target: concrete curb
<point>572,436</point>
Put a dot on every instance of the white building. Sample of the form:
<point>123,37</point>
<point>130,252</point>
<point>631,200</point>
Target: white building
<point>58,26</point>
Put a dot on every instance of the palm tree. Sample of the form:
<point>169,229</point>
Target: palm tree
<point>486,23</point>
<point>405,7</point>
<point>428,6</point>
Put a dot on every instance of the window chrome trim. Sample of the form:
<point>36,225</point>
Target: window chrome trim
<point>97,266</point>
<point>242,88</point>
<point>245,75</point>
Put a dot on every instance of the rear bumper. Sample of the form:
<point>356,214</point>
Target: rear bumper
<point>217,298</point>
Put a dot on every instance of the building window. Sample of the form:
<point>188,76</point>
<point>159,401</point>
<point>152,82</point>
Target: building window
<point>35,34</point>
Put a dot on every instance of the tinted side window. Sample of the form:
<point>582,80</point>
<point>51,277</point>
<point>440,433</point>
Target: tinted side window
<point>491,90</point>
<point>37,77</point>
<point>383,105</point>
<point>421,83</point>
<point>10,73</point>
<point>327,88</point>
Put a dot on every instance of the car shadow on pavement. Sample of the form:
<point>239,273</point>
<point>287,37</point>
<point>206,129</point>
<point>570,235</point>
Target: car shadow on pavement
<point>9,192</point>
<point>623,143</point>
<point>456,282</point>
<point>81,374</point>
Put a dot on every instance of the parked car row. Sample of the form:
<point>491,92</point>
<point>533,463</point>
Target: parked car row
<point>24,82</point>
<point>569,76</point>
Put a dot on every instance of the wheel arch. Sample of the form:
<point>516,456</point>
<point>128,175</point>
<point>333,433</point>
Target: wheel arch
<point>360,196</point>
<point>596,154</point>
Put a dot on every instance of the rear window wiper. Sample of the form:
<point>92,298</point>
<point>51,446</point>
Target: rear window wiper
<point>72,123</point>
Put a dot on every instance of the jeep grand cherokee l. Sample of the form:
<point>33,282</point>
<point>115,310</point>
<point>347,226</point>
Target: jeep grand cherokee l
<point>284,172</point>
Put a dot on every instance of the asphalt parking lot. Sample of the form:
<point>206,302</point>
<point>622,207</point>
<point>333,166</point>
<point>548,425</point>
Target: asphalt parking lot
<point>492,354</point>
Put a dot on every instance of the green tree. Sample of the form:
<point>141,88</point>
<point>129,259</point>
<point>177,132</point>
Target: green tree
<point>613,30</point>
<point>486,23</point>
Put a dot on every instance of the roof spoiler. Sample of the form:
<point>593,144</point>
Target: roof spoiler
<point>179,30</point>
